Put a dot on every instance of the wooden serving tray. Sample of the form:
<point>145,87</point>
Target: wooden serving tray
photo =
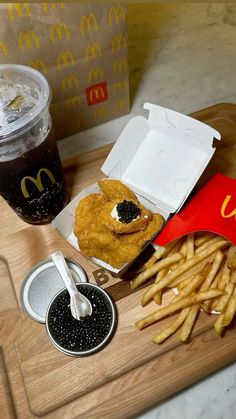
<point>131,373</point>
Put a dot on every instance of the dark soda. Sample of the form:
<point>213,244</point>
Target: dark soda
<point>33,184</point>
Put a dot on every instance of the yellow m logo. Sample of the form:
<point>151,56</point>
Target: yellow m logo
<point>99,113</point>
<point>119,86</point>
<point>95,74</point>
<point>3,49</point>
<point>92,51</point>
<point>224,206</point>
<point>47,6</point>
<point>38,65</point>
<point>28,38</point>
<point>118,41</point>
<point>57,30</point>
<point>73,101</point>
<point>96,93</point>
<point>21,9</point>
<point>37,182</point>
<point>115,13</point>
<point>69,82</point>
<point>64,58</point>
<point>88,22</point>
<point>122,104</point>
<point>120,66</point>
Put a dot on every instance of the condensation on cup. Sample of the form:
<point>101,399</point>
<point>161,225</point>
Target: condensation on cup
<point>31,176</point>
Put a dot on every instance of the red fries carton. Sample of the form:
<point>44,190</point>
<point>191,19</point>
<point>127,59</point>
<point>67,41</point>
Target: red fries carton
<point>212,208</point>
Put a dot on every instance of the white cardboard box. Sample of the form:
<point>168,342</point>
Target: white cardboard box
<point>160,158</point>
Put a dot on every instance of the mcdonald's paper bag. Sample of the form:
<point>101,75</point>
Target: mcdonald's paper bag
<point>80,48</point>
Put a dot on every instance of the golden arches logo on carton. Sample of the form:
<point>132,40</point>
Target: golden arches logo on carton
<point>16,10</point>
<point>224,206</point>
<point>36,181</point>
<point>122,104</point>
<point>88,23</point>
<point>92,51</point>
<point>57,31</point>
<point>118,41</point>
<point>99,113</point>
<point>47,6</point>
<point>120,66</point>
<point>4,49</point>
<point>115,14</point>
<point>73,101</point>
<point>119,86</point>
<point>38,65</point>
<point>95,74</point>
<point>69,82</point>
<point>65,58</point>
<point>28,39</point>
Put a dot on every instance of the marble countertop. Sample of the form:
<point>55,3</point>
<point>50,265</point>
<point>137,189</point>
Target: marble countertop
<point>181,56</point>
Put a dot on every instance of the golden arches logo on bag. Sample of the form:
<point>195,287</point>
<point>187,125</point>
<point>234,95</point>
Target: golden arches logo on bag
<point>73,102</point>
<point>99,113</point>
<point>119,86</point>
<point>118,41</point>
<point>88,23</point>
<point>48,6</point>
<point>38,65</point>
<point>36,181</point>
<point>120,66</point>
<point>96,93</point>
<point>92,51</point>
<point>58,31</point>
<point>65,59</point>
<point>4,49</point>
<point>225,204</point>
<point>28,39</point>
<point>95,74</point>
<point>16,10</point>
<point>122,104</point>
<point>69,82</point>
<point>116,14</point>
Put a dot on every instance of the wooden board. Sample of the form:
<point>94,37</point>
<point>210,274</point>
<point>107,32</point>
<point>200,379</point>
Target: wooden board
<point>131,373</point>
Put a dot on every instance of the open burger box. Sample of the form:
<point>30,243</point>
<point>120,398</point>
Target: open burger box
<point>160,158</point>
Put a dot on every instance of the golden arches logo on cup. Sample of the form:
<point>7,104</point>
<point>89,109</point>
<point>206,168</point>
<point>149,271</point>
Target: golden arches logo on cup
<point>96,93</point>
<point>119,86</point>
<point>88,23</point>
<point>93,51</point>
<point>122,104</point>
<point>16,10</point>
<point>118,41</point>
<point>38,65</point>
<point>58,31</point>
<point>48,6</point>
<point>28,39</point>
<point>95,74</point>
<point>73,102</point>
<point>116,14</point>
<point>69,82</point>
<point>65,59</point>
<point>99,113</point>
<point>36,181</point>
<point>120,66</point>
<point>3,49</point>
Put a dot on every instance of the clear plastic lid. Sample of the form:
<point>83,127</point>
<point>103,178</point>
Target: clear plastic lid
<point>24,95</point>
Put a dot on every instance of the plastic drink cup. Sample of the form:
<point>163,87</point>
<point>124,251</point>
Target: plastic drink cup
<point>31,176</point>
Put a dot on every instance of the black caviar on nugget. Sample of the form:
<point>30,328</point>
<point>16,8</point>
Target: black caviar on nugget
<point>127,211</point>
<point>86,333</point>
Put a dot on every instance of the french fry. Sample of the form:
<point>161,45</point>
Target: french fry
<point>190,246</point>
<point>203,238</point>
<point>158,298</point>
<point>232,263</point>
<point>170,330</point>
<point>185,282</point>
<point>171,276</point>
<point>158,254</point>
<point>188,290</point>
<point>144,276</point>
<point>207,304</point>
<point>214,269</point>
<point>233,277</point>
<point>188,323</point>
<point>223,300</point>
<point>192,271</point>
<point>207,244</point>
<point>173,307</point>
<point>225,318</point>
<point>183,249</point>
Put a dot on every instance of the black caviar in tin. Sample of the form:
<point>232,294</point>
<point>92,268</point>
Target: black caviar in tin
<point>84,336</point>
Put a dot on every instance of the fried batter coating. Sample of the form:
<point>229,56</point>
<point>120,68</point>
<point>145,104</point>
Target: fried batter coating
<point>140,237</point>
<point>114,189</point>
<point>121,228</point>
